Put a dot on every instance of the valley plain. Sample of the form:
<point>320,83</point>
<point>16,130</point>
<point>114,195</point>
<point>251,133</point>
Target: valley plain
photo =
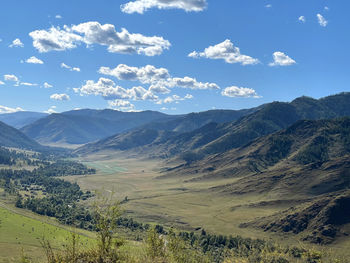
<point>186,204</point>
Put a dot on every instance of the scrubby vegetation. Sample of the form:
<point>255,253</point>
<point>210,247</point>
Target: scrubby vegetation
<point>172,246</point>
<point>315,152</point>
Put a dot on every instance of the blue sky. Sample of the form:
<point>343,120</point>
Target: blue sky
<point>179,57</point>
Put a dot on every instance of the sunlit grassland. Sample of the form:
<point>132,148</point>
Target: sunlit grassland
<point>182,204</point>
<point>19,232</point>
<point>173,201</point>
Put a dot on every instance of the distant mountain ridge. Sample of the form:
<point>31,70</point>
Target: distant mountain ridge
<point>160,132</point>
<point>193,121</point>
<point>87,125</point>
<point>214,138</point>
<point>11,137</point>
<point>82,126</point>
<point>21,118</point>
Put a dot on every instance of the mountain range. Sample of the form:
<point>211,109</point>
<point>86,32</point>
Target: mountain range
<point>215,137</point>
<point>21,118</point>
<point>82,126</point>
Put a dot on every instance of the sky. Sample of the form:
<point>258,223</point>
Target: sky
<point>174,56</point>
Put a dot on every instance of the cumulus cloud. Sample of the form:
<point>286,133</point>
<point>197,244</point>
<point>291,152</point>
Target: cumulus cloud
<point>70,68</point>
<point>159,89</point>
<point>61,97</point>
<point>34,60</point>
<point>51,110</point>
<point>92,33</point>
<point>103,87</point>
<point>141,6</point>
<point>148,74</point>
<point>281,59</point>
<point>239,92</point>
<point>175,98</point>
<point>122,105</point>
<point>2,83</point>
<point>54,39</point>
<point>47,85</point>
<point>192,83</point>
<point>10,77</point>
<point>321,20</point>
<point>302,19</point>
<point>159,79</point>
<point>4,109</point>
<point>58,17</point>
<point>226,51</point>
<point>110,91</point>
<point>17,43</point>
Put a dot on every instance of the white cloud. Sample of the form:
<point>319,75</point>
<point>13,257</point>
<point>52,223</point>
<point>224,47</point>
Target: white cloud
<point>141,6</point>
<point>119,103</point>
<point>148,74</point>
<point>34,60</point>
<point>17,43</point>
<point>54,39</point>
<point>140,93</point>
<point>239,92</point>
<point>192,83</point>
<point>281,59</point>
<point>13,78</point>
<point>4,109</point>
<point>60,97</point>
<point>9,77</point>
<point>92,33</point>
<point>268,6</point>
<point>159,78</point>
<point>2,83</point>
<point>104,87</point>
<point>302,19</point>
<point>70,68</point>
<point>51,110</point>
<point>110,91</point>
<point>326,8</point>
<point>226,51</point>
<point>321,20</point>
<point>123,105</point>
<point>175,98</point>
<point>159,89</point>
<point>58,17</point>
<point>47,85</point>
<point>28,84</point>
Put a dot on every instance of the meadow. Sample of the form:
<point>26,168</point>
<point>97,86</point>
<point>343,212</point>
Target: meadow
<point>26,231</point>
<point>186,205</point>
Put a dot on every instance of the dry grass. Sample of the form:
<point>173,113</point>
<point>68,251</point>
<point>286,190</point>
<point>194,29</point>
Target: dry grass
<point>175,202</point>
